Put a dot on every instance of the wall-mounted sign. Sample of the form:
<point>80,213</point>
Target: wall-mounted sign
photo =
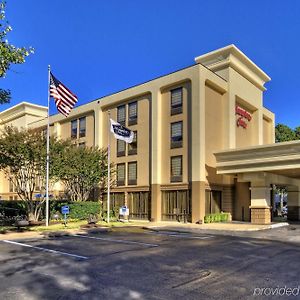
<point>242,117</point>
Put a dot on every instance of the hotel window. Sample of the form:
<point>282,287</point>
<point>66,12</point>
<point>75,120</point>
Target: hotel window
<point>74,129</point>
<point>121,115</point>
<point>11,186</point>
<point>176,101</point>
<point>176,135</point>
<point>132,173</point>
<point>176,168</point>
<point>121,148</point>
<point>213,202</point>
<point>132,147</point>
<point>132,113</point>
<point>82,127</point>
<point>120,174</point>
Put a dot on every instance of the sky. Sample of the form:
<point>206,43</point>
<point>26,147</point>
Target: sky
<point>99,47</point>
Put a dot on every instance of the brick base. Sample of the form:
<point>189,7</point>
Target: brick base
<point>260,215</point>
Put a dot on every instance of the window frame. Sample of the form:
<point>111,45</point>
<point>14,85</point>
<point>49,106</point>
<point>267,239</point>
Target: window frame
<point>74,136</point>
<point>133,120</point>
<point>176,178</point>
<point>175,110</point>
<point>133,151</point>
<point>11,186</point>
<point>79,127</point>
<point>132,181</point>
<point>121,182</point>
<point>122,122</point>
<point>176,144</point>
<point>213,201</point>
<point>119,152</point>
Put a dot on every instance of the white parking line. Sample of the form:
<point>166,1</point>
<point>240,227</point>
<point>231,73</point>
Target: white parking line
<point>191,236</point>
<point>45,249</point>
<point>182,235</point>
<point>116,241</point>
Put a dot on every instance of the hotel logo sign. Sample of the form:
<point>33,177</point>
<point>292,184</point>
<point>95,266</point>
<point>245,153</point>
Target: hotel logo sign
<point>242,117</point>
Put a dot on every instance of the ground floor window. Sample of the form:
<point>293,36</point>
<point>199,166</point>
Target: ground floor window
<point>139,205</point>
<point>176,205</point>
<point>213,202</point>
<point>116,201</point>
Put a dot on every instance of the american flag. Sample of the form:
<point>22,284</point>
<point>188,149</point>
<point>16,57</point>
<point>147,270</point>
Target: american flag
<point>64,98</point>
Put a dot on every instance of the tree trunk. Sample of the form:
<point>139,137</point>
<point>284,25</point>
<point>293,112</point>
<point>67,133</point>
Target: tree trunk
<point>34,211</point>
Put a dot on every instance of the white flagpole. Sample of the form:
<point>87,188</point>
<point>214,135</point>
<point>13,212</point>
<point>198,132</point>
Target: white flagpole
<point>47,155</point>
<point>108,169</point>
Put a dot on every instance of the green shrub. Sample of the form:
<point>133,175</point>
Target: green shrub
<point>78,210</point>
<point>217,218</point>
<point>207,219</point>
<point>224,217</point>
<point>220,217</point>
<point>13,208</point>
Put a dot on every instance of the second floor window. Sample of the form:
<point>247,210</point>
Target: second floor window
<point>176,101</point>
<point>120,174</point>
<point>176,135</point>
<point>132,113</point>
<point>121,115</point>
<point>132,147</point>
<point>132,173</point>
<point>121,148</point>
<point>82,127</point>
<point>74,129</point>
<point>176,168</point>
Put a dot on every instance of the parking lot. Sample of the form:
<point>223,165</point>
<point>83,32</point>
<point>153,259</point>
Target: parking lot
<point>145,265</point>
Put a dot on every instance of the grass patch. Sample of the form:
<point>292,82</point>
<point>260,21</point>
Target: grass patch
<point>59,226</point>
<point>75,224</point>
<point>4,229</point>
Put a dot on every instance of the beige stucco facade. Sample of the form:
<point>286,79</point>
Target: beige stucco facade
<point>220,110</point>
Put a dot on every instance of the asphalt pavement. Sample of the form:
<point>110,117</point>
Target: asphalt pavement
<point>152,265</point>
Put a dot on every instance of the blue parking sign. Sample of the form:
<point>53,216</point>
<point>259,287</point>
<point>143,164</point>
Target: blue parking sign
<point>65,210</point>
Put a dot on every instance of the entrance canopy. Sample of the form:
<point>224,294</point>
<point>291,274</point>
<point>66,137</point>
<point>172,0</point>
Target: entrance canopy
<point>262,167</point>
<point>281,159</point>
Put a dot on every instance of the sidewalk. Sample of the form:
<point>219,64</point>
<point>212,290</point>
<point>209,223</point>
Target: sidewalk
<point>232,226</point>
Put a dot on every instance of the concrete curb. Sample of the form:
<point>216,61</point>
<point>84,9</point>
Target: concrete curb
<point>199,229</point>
<point>155,228</point>
<point>278,225</point>
<point>56,233</point>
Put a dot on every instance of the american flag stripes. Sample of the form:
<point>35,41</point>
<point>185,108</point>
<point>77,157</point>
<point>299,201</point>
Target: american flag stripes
<point>63,97</point>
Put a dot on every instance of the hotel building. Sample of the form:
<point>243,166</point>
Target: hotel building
<point>204,142</point>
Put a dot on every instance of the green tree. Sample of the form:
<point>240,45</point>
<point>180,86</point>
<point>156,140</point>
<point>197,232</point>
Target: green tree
<point>297,133</point>
<point>9,54</point>
<point>23,162</point>
<point>284,133</point>
<point>81,170</point>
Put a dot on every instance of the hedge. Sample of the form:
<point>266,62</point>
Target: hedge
<point>10,211</point>
<point>78,210</point>
<point>12,208</point>
<point>221,217</point>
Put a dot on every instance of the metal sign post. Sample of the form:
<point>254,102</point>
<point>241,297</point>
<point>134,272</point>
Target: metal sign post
<point>65,210</point>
